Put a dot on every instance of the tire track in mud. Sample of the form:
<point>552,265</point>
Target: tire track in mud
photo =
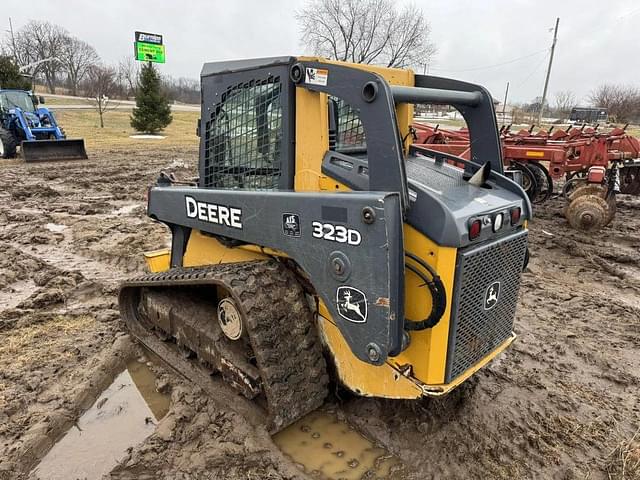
<point>65,241</point>
<point>561,403</point>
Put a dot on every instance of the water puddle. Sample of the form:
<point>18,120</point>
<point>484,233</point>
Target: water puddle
<point>66,260</point>
<point>55,228</point>
<point>127,209</point>
<point>16,293</point>
<point>330,449</point>
<point>122,417</point>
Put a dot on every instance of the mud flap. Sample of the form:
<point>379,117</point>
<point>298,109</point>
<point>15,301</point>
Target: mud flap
<point>349,244</point>
<point>53,150</point>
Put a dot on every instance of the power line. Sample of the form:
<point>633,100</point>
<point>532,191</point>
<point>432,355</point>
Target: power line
<point>535,69</point>
<point>495,64</point>
<point>628,15</point>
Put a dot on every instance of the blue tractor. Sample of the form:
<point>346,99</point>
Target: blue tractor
<point>34,129</point>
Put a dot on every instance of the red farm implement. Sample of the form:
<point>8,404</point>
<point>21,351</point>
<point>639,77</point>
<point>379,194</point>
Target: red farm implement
<point>595,165</point>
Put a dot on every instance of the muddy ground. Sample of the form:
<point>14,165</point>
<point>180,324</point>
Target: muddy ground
<point>563,402</point>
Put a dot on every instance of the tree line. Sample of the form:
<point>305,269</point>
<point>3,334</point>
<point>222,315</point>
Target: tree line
<point>361,31</point>
<point>381,32</point>
<point>58,59</point>
<point>621,101</point>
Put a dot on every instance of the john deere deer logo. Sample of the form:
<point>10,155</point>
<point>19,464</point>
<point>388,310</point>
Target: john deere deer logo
<point>491,295</point>
<point>352,304</point>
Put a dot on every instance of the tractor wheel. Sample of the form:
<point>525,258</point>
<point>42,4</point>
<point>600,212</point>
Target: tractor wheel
<point>529,183</point>
<point>588,213</point>
<point>544,181</point>
<point>8,144</point>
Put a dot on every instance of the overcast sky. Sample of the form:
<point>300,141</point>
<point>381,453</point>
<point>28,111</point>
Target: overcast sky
<point>488,42</point>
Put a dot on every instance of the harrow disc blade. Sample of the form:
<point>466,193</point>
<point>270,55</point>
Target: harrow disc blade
<point>588,213</point>
<point>587,189</point>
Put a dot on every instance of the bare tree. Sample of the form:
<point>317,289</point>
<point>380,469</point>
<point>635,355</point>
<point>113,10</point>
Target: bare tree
<point>622,102</point>
<point>564,101</point>
<point>77,59</point>
<point>36,41</point>
<point>366,31</point>
<point>101,87</point>
<point>185,90</point>
<point>127,75</point>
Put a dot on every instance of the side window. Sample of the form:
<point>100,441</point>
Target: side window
<point>350,137</point>
<point>243,137</point>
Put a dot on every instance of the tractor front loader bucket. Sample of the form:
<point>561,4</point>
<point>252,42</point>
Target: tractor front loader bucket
<point>52,150</point>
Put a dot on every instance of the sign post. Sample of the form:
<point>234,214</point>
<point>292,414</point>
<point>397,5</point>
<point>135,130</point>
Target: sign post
<point>148,47</point>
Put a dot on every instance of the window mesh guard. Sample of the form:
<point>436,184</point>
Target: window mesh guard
<point>350,129</point>
<point>243,137</point>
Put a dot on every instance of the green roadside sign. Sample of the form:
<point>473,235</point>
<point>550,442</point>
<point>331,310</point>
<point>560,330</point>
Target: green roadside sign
<point>148,47</point>
<point>149,52</point>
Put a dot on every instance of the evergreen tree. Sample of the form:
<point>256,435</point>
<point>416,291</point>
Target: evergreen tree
<point>10,76</point>
<point>152,112</point>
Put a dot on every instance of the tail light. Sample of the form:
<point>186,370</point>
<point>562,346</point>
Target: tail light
<point>474,229</point>
<point>515,215</point>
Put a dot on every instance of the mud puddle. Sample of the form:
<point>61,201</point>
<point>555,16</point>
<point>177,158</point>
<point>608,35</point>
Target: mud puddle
<point>55,227</point>
<point>127,209</point>
<point>68,261</point>
<point>20,290</point>
<point>123,416</point>
<point>328,448</point>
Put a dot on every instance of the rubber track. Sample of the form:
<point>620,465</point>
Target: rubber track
<point>281,330</point>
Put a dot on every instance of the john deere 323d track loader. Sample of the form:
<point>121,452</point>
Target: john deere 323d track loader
<point>316,226</point>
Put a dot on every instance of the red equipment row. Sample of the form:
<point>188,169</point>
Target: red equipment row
<point>565,151</point>
<point>595,165</point>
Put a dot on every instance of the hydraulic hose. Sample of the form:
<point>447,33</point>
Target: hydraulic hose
<point>438,295</point>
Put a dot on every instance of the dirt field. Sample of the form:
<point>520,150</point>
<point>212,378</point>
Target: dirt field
<point>562,403</point>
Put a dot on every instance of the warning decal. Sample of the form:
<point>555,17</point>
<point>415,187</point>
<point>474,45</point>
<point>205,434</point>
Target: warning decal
<point>317,76</point>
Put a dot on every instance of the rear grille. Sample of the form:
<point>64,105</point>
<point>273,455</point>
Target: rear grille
<point>478,326</point>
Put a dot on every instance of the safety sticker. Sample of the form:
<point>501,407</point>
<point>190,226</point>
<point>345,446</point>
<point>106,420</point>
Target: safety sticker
<point>291,224</point>
<point>317,76</point>
<point>352,304</point>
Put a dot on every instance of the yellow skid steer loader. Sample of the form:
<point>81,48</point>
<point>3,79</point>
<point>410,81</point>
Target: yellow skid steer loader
<point>316,230</point>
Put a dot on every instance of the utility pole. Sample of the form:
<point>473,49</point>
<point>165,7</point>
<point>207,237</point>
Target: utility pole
<point>504,105</point>
<point>546,81</point>
<point>13,41</point>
